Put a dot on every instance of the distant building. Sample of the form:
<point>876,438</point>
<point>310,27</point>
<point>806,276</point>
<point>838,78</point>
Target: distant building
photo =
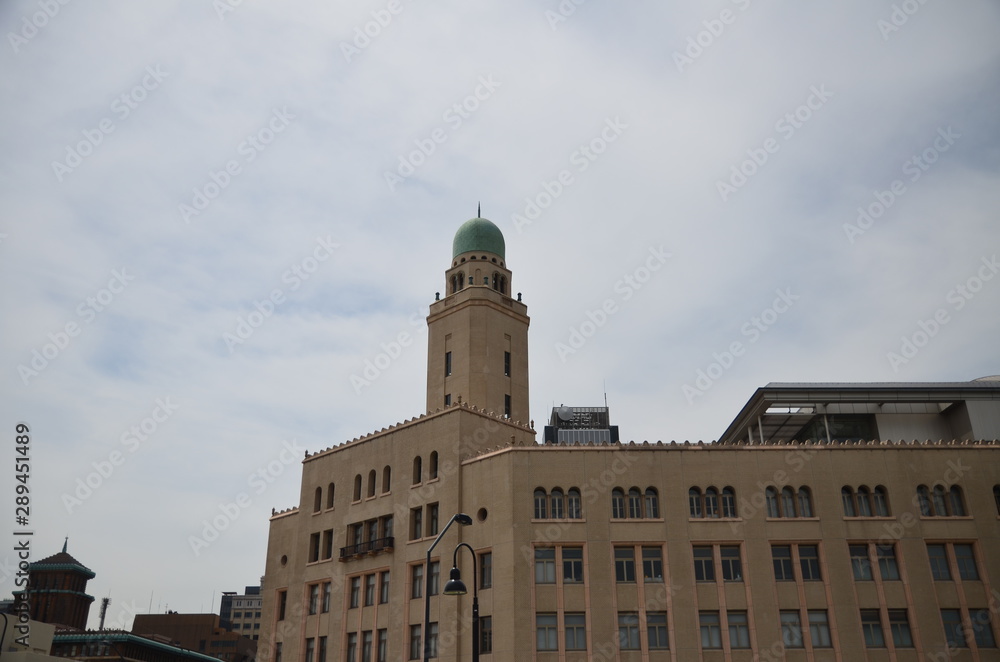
<point>119,646</point>
<point>830,523</point>
<point>197,632</point>
<point>241,613</point>
<point>57,591</point>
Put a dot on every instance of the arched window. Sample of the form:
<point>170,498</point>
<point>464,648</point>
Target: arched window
<point>694,502</point>
<point>575,506</point>
<point>771,500</point>
<point>847,497</point>
<point>864,502</point>
<point>461,280</point>
<point>787,502</point>
<point>634,503</point>
<point>357,487</point>
<point>329,496</point>
<point>728,502</point>
<point>558,504</point>
<point>541,499</point>
<point>617,503</point>
<point>924,499</point>
<point>503,285</point>
<point>957,504</point>
<point>880,501</point>
<point>432,470</point>
<point>386,479</point>
<point>805,502</point>
<point>371,482</point>
<point>318,500</point>
<point>939,501</point>
<point>711,502</point>
<point>652,503</point>
<point>496,281</point>
<point>418,470</point>
<point>454,283</point>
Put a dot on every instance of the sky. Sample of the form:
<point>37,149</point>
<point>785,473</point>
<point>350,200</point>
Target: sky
<point>223,222</point>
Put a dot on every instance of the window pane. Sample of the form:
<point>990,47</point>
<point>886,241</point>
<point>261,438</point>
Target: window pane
<point>771,497</point>
<point>982,629</point>
<point>819,629</point>
<point>809,560</point>
<point>887,566</point>
<point>652,564</point>
<point>634,504</point>
<point>711,631</point>
<point>575,506</point>
<point>739,629</point>
<point>541,504</point>
<point>966,560</point>
<point>576,631</point>
<point>572,564</point>
<point>899,624</point>
<point>860,563</point>
<point>728,502</point>
<point>486,570</point>
<point>628,630</point>
<point>732,568</point>
<point>782,558</point>
<point>704,564</point>
<point>805,503</point>
<point>545,627</point>
<point>624,564</point>
<point>864,502</point>
<point>787,502</point>
<point>711,503</point>
<point>545,565</point>
<point>617,504</point>
<point>881,502</point>
<point>652,504</point>
<point>656,629</point>
<point>953,631</point>
<point>694,502</point>
<point>486,634</point>
<point>791,629</point>
<point>847,499</point>
<point>939,562</point>
<point>957,506</point>
<point>871,626</point>
<point>557,504</point>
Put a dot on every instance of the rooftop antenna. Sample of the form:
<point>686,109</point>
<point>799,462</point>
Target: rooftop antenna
<point>605,393</point>
<point>479,210</point>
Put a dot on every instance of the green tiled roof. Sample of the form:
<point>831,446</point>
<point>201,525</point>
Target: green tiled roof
<point>478,234</point>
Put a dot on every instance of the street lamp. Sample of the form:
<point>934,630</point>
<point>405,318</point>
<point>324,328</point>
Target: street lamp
<point>464,520</point>
<point>456,586</point>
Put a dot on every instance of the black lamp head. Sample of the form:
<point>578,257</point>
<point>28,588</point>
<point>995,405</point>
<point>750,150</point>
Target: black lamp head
<point>455,585</point>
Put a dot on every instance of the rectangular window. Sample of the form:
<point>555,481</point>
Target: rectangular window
<point>860,563</point>
<point>791,629</point>
<point>652,564</point>
<point>383,645</point>
<point>282,602</point>
<point>432,519</point>
<point>447,399</point>
<point>871,627</point>
<point>887,567</point>
<point>732,567</point>
<point>965,558</point>
<point>417,581</point>
<point>435,576</point>
<point>809,560</point>
<point>432,639</point>
<point>447,364</point>
<point>739,629</point>
<point>328,544</point>
<point>310,649</point>
<point>546,632</point>
<point>355,592</point>
<point>327,592</point>
<point>313,599</point>
<point>939,562</point>
<point>415,651</point>
<point>545,565</point>
<point>572,558</point>
<point>506,364</point>
<point>704,564</point>
<point>366,646</point>
<point>624,564</point>
<point>819,629</point>
<point>352,647</point>
<point>416,523</point>
<point>486,634</point>
<point>369,590</point>
<point>486,570</point>
<point>954,633</point>
<point>711,631</point>
<point>322,648</point>
<point>383,593</point>
<point>781,555</point>
<point>576,632</point>
<point>277,651</point>
<point>314,547</point>
<point>628,630</point>
<point>506,406</point>
<point>899,625</point>
<point>981,628</point>
<point>656,629</point>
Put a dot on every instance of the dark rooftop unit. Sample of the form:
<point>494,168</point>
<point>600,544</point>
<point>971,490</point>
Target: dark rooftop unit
<point>580,426</point>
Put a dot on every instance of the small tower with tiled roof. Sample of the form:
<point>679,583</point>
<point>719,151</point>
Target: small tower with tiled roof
<point>57,590</point>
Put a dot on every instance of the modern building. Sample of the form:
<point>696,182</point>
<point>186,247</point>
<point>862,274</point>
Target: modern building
<point>242,613</point>
<point>830,522</point>
<point>57,591</point>
<point>203,633</point>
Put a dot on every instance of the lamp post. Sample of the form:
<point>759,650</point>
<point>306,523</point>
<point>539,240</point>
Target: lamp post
<point>464,520</point>
<point>456,586</point>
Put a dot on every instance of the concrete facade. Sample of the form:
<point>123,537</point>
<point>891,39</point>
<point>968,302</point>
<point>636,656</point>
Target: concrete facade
<point>753,548</point>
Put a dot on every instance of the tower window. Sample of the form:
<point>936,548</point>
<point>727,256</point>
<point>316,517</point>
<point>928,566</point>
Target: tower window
<point>447,399</point>
<point>506,364</point>
<point>506,406</point>
<point>447,364</point>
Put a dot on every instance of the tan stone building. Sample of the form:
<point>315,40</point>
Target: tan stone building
<point>834,547</point>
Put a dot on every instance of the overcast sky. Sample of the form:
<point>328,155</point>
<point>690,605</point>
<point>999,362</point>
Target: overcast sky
<point>215,214</point>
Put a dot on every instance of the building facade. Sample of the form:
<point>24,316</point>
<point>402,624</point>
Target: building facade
<point>202,633</point>
<point>815,529</point>
<point>242,612</point>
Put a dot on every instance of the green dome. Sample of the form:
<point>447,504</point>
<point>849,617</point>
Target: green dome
<point>478,234</point>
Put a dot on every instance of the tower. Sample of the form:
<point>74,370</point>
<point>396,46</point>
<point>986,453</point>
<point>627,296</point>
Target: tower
<point>57,591</point>
<point>478,333</point>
